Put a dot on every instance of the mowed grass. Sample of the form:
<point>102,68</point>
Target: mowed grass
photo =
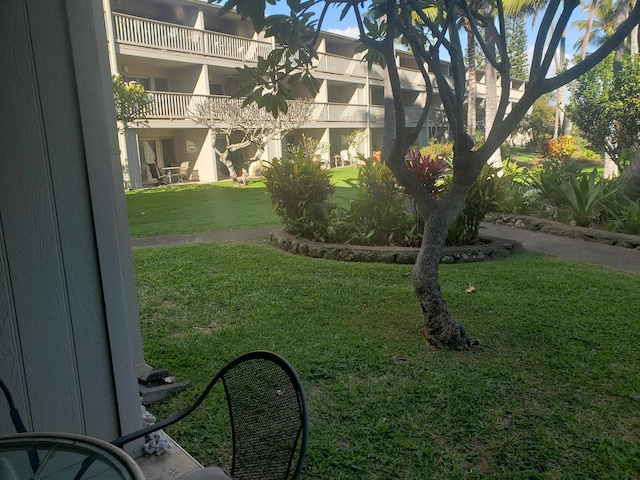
<point>554,392</point>
<point>212,207</point>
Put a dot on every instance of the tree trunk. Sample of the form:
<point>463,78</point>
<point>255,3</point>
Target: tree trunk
<point>444,331</point>
<point>587,31</point>
<point>388,132</point>
<point>559,128</point>
<point>610,167</point>
<point>622,12</point>
<point>491,106</point>
<point>223,158</point>
<point>472,86</point>
<point>632,176</point>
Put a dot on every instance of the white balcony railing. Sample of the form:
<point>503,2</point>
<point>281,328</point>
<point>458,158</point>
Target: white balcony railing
<point>339,112</point>
<point>173,106</point>
<point>169,37</point>
<point>411,114</point>
<point>176,106</point>
<point>341,65</point>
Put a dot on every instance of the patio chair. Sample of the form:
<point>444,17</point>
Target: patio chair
<point>268,415</point>
<point>183,174</point>
<point>155,173</point>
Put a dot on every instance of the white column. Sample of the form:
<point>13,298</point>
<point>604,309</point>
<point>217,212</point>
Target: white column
<point>131,158</point>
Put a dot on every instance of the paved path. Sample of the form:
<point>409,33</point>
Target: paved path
<point>618,258</point>
<point>258,233</point>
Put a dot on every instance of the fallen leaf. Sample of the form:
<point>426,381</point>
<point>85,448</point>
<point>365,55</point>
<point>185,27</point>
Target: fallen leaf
<point>471,289</point>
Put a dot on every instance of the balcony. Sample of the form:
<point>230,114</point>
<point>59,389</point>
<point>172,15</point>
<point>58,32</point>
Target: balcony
<point>176,38</point>
<point>351,67</point>
<point>175,106</point>
<point>411,114</point>
<point>169,37</point>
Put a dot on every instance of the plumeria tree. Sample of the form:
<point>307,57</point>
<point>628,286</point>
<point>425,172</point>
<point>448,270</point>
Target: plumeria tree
<point>430,30</point>
<point>243,125</point>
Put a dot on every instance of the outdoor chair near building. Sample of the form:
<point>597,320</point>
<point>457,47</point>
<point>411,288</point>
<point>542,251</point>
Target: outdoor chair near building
<point>267,410</point>
<point>183,174</point>
<point>269,420</point>
<point>155,173</point>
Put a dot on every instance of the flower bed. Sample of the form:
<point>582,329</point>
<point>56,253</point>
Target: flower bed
<point>488,249</point>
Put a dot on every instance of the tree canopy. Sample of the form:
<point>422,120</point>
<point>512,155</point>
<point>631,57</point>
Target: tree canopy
<point>606,107</point>
<point>131,101</point>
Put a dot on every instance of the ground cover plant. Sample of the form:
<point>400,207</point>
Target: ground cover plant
<point>212,207</point>
<point>554,391</point>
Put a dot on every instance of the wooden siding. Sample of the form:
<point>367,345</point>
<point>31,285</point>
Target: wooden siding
<point>55,352</point>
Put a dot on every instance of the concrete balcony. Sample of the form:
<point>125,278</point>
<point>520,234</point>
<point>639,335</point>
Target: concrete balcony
<point>177,38</point>
<point>176,106</point>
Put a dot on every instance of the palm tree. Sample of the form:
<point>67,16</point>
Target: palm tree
<point>602,26</point>
<point>587,29</point>
<point>511,8</point>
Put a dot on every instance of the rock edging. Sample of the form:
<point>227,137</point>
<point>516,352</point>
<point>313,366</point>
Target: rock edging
<point>571,231</point>
<point>493,249</point>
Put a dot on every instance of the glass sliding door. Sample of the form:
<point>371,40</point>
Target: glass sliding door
<point>148,160</point>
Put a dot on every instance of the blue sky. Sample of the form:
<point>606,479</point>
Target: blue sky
<point>348,25</point>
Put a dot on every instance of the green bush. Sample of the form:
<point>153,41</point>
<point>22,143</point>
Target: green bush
<point>436,149</point>
<point>548,180</point>
<point>300,193</point>
<point>619,212</point>
<point>378,214</point>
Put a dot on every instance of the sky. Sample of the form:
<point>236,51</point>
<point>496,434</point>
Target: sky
<point>348,26</point>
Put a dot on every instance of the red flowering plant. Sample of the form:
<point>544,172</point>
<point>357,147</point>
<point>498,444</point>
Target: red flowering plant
<point>429,170</point>
<point>559,149</point>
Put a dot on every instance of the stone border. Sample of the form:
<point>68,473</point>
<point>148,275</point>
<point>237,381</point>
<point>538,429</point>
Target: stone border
<point>562,229</point>
<point>493,249</point>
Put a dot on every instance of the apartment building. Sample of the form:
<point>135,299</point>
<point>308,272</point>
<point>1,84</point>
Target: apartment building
<point>180,50</point>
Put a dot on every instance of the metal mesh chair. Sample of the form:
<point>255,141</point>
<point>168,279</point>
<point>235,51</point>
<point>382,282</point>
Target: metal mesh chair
<point>268,414</point>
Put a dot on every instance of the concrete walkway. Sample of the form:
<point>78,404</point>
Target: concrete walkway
<point>618,258</point>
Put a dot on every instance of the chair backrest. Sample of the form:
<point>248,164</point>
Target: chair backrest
<point>13,411</point>
<point>269,420</point>
<point>268,413</point>
<point>184,168</point>
<point>153,168</point>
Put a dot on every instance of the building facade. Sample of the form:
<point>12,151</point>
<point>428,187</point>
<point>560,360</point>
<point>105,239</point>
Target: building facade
<point>182,50</point>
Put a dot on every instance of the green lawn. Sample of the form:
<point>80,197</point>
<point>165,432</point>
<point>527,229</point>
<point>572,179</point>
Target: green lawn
<point>211,207</point>
<point>554,392</point>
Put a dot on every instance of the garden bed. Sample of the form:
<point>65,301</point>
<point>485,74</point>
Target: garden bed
<point>488,248</point>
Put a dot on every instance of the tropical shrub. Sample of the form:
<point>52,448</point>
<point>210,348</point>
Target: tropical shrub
<point>428,169</point>
<point>378,214</point>
<point>300,194</point>
<point>627,218</point>
<point>582,194</point>
<point>436,149</point>
<point>132,102</point>
<point>560,149</point>
<point>547,180</point>
<point>619,213</point>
